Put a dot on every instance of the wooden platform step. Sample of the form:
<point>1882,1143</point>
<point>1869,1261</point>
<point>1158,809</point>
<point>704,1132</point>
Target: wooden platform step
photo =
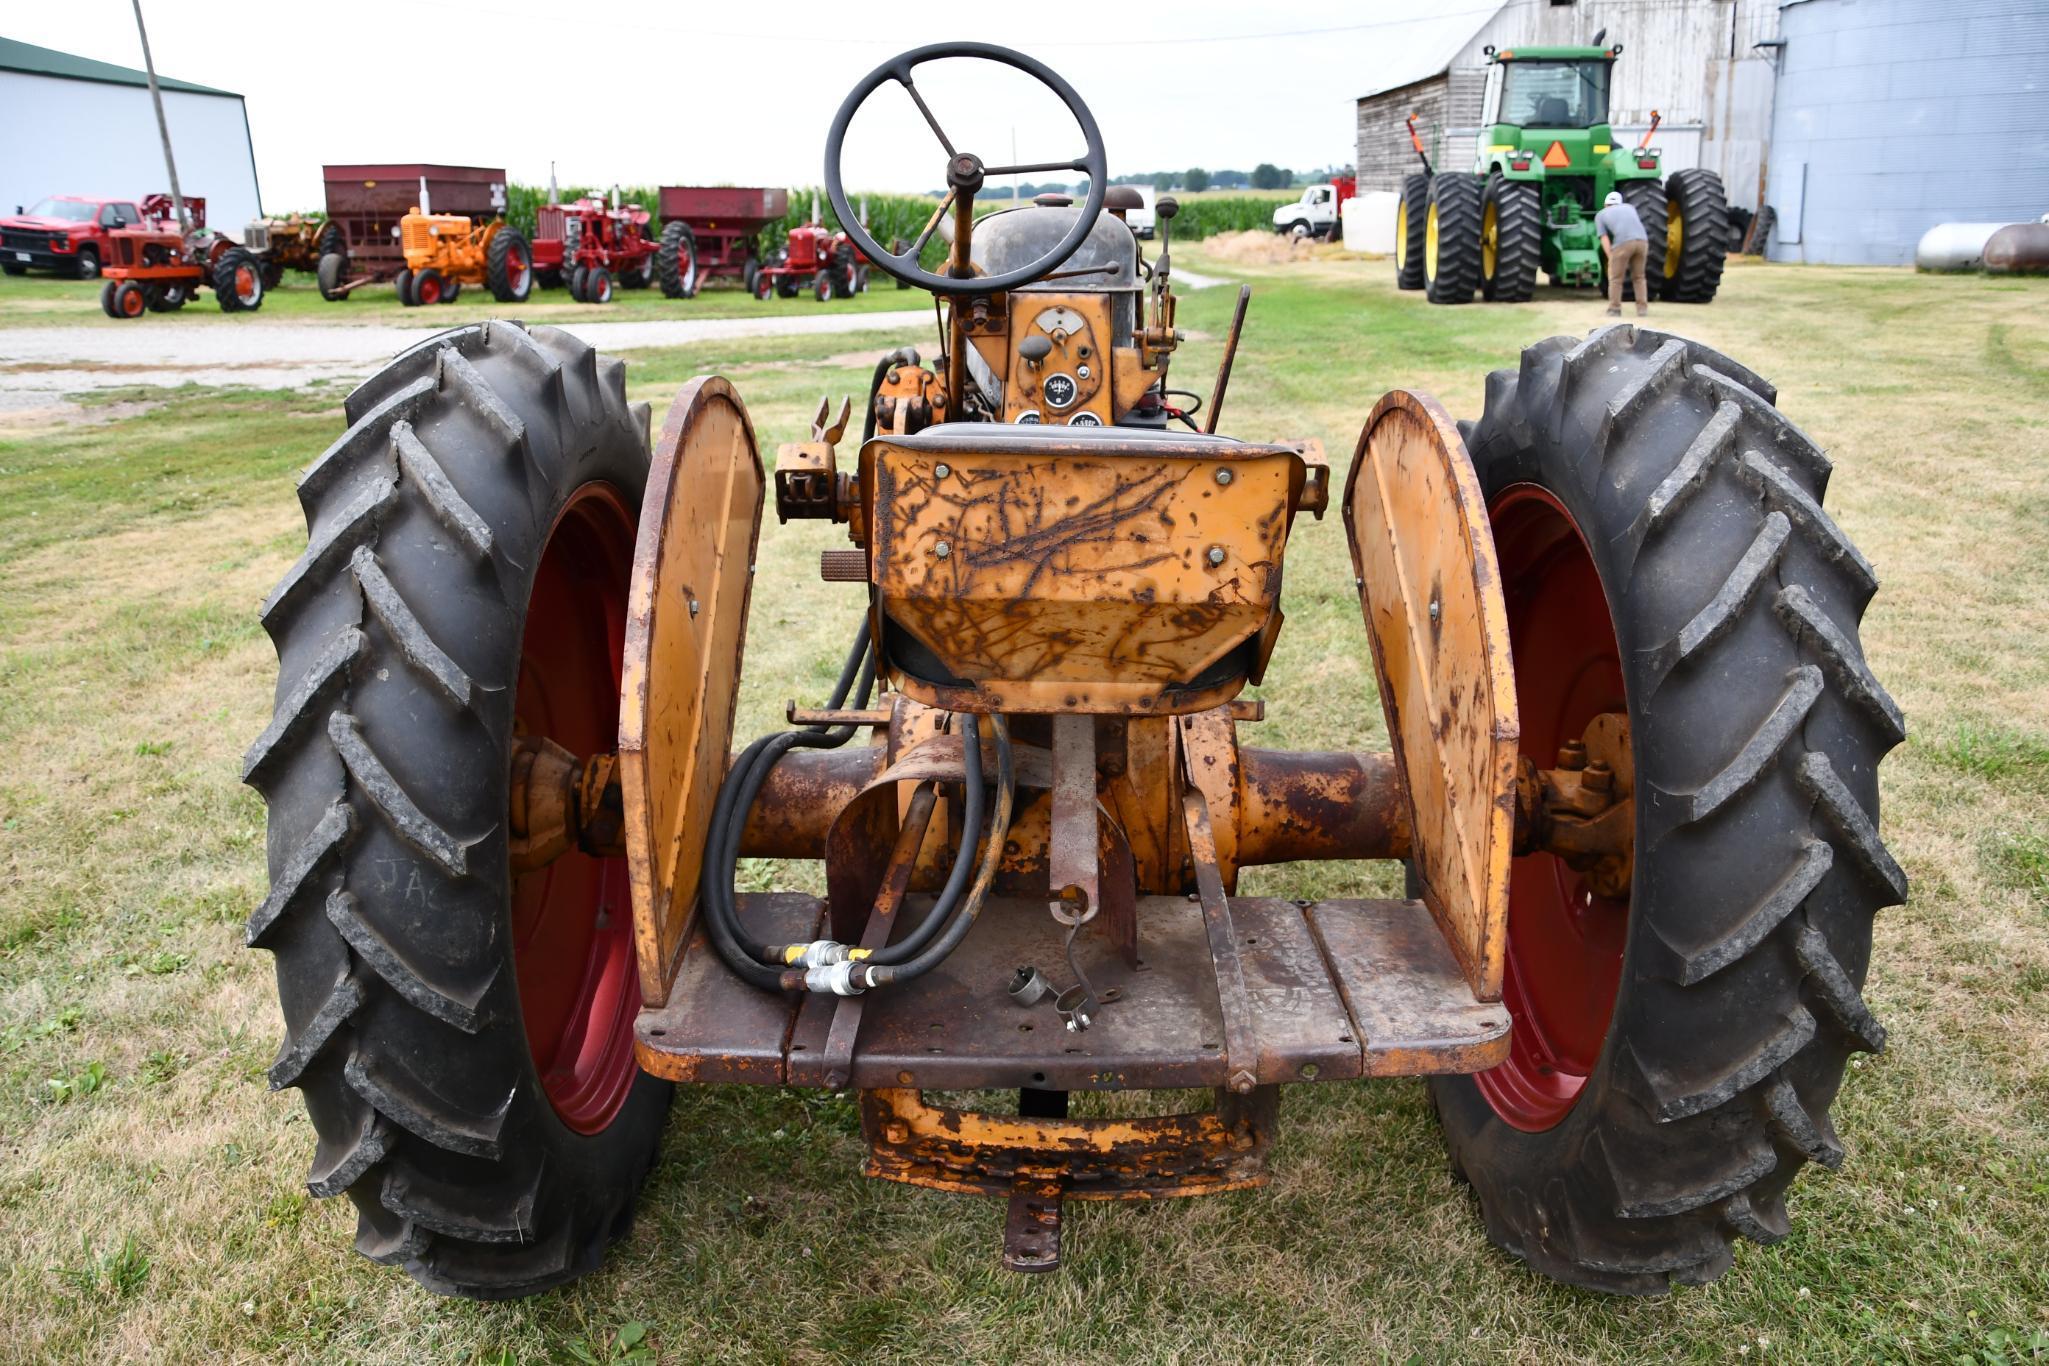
<point>1338,989</point>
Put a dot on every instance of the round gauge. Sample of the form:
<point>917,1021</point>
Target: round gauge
<point>1028,418</point>
<point>1084,419</point>
<point>1059,390</point>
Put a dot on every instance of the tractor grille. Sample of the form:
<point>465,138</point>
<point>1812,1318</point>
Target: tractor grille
<point>24,239</point>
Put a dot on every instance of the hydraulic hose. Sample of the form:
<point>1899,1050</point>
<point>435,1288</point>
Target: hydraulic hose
<point>729,814</point>
<point>964,920</point>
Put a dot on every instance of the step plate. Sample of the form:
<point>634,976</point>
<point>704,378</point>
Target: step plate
<point>1339,989</point>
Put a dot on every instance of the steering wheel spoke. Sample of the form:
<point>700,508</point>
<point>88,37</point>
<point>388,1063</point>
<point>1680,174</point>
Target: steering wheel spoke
<point>1036,168</point>
<point>903,78</point>
<point>965,173</point>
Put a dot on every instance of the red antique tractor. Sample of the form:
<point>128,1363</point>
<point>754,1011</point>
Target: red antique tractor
<point>594,244</point>
<point>814,257</point>
<point>155,267</point>
<point>1630,782</point>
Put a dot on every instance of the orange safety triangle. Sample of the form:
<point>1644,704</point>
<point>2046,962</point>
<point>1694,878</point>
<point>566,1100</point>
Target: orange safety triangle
<point>1556,155</point>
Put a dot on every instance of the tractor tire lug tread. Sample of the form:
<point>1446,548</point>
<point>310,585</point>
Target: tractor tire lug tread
<point>1736,601</point>
<point>384,767</point>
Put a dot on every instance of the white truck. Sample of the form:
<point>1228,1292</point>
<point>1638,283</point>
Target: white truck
<point>1315,214</point>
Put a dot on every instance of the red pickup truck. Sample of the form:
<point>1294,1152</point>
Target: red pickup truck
<point>67,233</point>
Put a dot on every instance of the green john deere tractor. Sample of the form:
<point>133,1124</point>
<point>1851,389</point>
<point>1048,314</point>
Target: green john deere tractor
<point>1546,161</point>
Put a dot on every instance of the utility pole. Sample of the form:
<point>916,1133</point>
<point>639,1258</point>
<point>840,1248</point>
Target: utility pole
<point>156,97</point>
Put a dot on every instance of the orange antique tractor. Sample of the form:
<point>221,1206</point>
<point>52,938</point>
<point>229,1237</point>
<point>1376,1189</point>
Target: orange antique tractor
<point>446,251</point>
<point>1632,775</point>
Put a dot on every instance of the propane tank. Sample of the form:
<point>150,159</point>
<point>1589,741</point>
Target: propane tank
<point>2018,249</point>
<point>1954,246</point>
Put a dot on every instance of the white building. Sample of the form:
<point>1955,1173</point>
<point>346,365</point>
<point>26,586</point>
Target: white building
<point>77,126</point>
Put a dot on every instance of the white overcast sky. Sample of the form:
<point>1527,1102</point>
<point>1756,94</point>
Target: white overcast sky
<point>743,94</point>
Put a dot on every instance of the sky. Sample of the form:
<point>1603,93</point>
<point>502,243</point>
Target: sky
<point>744,95</point>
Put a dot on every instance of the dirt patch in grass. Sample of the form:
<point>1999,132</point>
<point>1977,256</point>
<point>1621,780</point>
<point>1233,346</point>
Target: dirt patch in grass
<point>1262,248</point>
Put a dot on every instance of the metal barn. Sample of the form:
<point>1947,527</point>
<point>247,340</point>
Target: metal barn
<point>77,126</point>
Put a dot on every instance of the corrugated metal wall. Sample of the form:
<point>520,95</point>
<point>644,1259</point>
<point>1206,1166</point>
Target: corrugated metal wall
<point>1896,115</point>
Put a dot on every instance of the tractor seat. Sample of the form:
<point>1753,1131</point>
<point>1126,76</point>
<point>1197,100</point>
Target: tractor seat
<point>1553,112</point>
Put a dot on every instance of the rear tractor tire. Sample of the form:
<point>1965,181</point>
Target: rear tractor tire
<point>1665,556</point>
<point>403,283</point>
<point>1696,237</point>
<point>1411,220</point>
<point>676,261</point>
<point>1451,238</point>
<point>1511,240</point>
<point>1647,197</point>
<point>509,266</point>
<point>461,1035</point>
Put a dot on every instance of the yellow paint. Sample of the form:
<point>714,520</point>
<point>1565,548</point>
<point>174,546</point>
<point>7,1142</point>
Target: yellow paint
<point>1490,240</point>
<point>1430,244</point>
<point>1601,149</point>
<point>1675,236</point>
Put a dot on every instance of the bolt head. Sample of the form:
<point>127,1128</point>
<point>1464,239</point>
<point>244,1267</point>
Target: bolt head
<point>942,550</point>
<point>693,607</point>
<point>941,471</point>
<point>1224,476</point>
<point>1216,554</point>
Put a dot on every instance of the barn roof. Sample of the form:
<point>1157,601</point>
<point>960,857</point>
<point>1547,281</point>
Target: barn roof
<point>44,61</point>
<point>1416,39</point>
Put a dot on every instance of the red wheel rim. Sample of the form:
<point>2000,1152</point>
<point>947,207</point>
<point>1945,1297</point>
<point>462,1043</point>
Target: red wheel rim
<point>132,302</point>
<point>427,291</point>
<point>515,271</point>
<point>1564,943</point>
<point>572,921</point>
<point>246,285</point>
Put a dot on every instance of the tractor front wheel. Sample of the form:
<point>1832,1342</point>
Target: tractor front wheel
<point>1511,240</point>
<point>403,283</point>
<point>597,286</point>
<point>822,286</point>
<point>461,1032</point>
<point>1672,580</point>
<point>1696,236</point>
<point>676,261</point>
<point>1411,218</point>
<point>451,290</point>
<point>429,286</point>
<point>1451,238</point>
<point>238,281</point>
<point>765,285</point>
<point>169,298</point>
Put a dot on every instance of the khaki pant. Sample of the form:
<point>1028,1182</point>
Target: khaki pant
<point>1630,257</point>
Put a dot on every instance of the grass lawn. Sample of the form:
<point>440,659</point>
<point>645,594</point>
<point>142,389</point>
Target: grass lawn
<point>151,1190</point>
<point>44,301</point>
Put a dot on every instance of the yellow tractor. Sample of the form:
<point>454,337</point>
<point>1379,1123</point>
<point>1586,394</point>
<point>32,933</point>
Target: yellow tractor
<point>1631,775</point>
<point>446,251</point>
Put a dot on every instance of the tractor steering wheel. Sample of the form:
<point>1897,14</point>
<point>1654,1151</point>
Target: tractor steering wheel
<point>965,171</point>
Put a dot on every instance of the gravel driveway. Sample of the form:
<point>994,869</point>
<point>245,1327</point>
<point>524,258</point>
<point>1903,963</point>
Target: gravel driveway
<point>39,365</point>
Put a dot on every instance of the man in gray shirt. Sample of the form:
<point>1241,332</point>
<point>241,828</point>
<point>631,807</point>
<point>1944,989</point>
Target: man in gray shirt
<point>1628,248</point>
